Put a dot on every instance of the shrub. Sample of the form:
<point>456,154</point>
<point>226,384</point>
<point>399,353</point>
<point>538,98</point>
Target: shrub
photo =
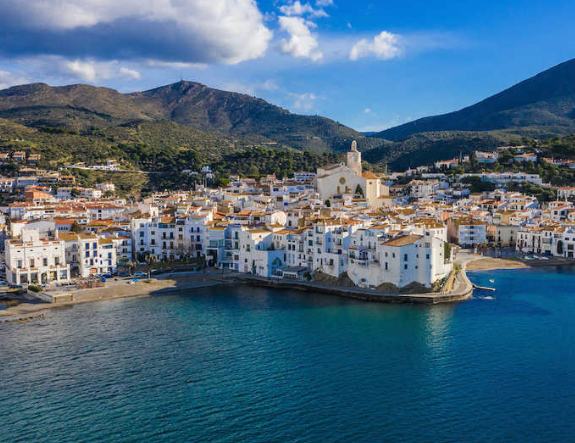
<point>34,288</point>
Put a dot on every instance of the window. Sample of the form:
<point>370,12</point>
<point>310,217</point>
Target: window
<point>95,245</point>
<point>386,266</point>
<point>45,262</point>
<point>405,266</point>
<point>404,257</point>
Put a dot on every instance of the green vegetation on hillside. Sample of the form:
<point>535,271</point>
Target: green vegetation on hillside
<point>156,152</point>
<point>81,108</point>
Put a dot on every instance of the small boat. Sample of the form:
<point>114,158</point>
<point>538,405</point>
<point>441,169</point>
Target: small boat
<point>491,280</point>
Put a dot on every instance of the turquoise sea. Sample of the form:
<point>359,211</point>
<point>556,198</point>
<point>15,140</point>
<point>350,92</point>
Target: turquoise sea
<point>262,365</point>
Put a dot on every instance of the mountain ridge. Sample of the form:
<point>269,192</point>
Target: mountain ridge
<point>545,99</point>
<point>192,104</point>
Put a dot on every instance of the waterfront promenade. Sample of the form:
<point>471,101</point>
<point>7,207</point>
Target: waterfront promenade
<point>122,288</point>
<point>459,290</point>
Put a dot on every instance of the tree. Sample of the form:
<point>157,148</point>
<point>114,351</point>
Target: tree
<point>76,227</point>
<point>150,259</point>
<point>75,193</point>
<point>223,182</point>
<point>359,190</point>
<point>473,160</point>
<point>328,203</point>
<point>108,194</point>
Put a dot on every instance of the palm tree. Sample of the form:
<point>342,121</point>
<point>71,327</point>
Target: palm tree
<point>131,265</point>
<point>150,260</point>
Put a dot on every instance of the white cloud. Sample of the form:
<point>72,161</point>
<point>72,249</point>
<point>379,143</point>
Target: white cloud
<point>228,31</point>
<point>85,70</point>
<point>367,111</point>
<point>251,88</point>
<point>56,69</point>
<point>242,88</point>
<point>298,8</point>
<point>269,85</point>
<point>8,79</point>
<point>175,65</point>
<point>302,42</point>
<point>304,102</point>
<point>129,73</point>
<point>323,3</point>
<point>93,71</point>
<point>384,46</point>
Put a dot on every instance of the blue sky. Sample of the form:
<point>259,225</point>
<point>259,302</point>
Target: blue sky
<point>369,65</point>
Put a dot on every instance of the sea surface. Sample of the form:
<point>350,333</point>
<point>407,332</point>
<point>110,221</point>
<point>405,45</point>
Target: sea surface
<point>261,365</point>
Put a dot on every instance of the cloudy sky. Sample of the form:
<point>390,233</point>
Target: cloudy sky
<point>368,64</point>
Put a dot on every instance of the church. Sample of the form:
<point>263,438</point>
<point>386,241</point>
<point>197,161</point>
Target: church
<point>344,179</point>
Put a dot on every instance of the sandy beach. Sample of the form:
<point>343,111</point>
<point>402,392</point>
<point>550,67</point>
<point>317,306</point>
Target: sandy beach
<point>113,290</point>
<point>121,288</point>
<point>489,263</point>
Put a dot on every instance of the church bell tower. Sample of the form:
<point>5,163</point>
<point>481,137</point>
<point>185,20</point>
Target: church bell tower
<point>354,159</point>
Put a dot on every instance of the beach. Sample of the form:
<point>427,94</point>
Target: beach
<point>489,263</point>
<point>120,288</point>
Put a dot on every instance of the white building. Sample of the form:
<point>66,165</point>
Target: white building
<point>303,176</point>
<point>347,179</point>
<point>257,254</point>
<point>566,193</point>
<point>467,231</point>
<point>422,189</point>
<point>401,261</point>
<point>486,157</point>
<point>32,259</point>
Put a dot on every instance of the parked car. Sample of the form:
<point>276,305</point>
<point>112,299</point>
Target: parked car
<point>140,274</point>
<point>123,274</point>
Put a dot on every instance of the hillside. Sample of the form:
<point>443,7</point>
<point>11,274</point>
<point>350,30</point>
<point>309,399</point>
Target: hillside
<point>156,152</point>
<point>81,107</point>
<point>546,101</point>
<point>428,147</point>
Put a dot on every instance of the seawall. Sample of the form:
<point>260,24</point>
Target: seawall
<point>463,290</point>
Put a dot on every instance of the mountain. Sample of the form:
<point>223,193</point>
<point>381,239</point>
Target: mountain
<point>428,147</point>
<point>80,107</point>
<point>545,102</point>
